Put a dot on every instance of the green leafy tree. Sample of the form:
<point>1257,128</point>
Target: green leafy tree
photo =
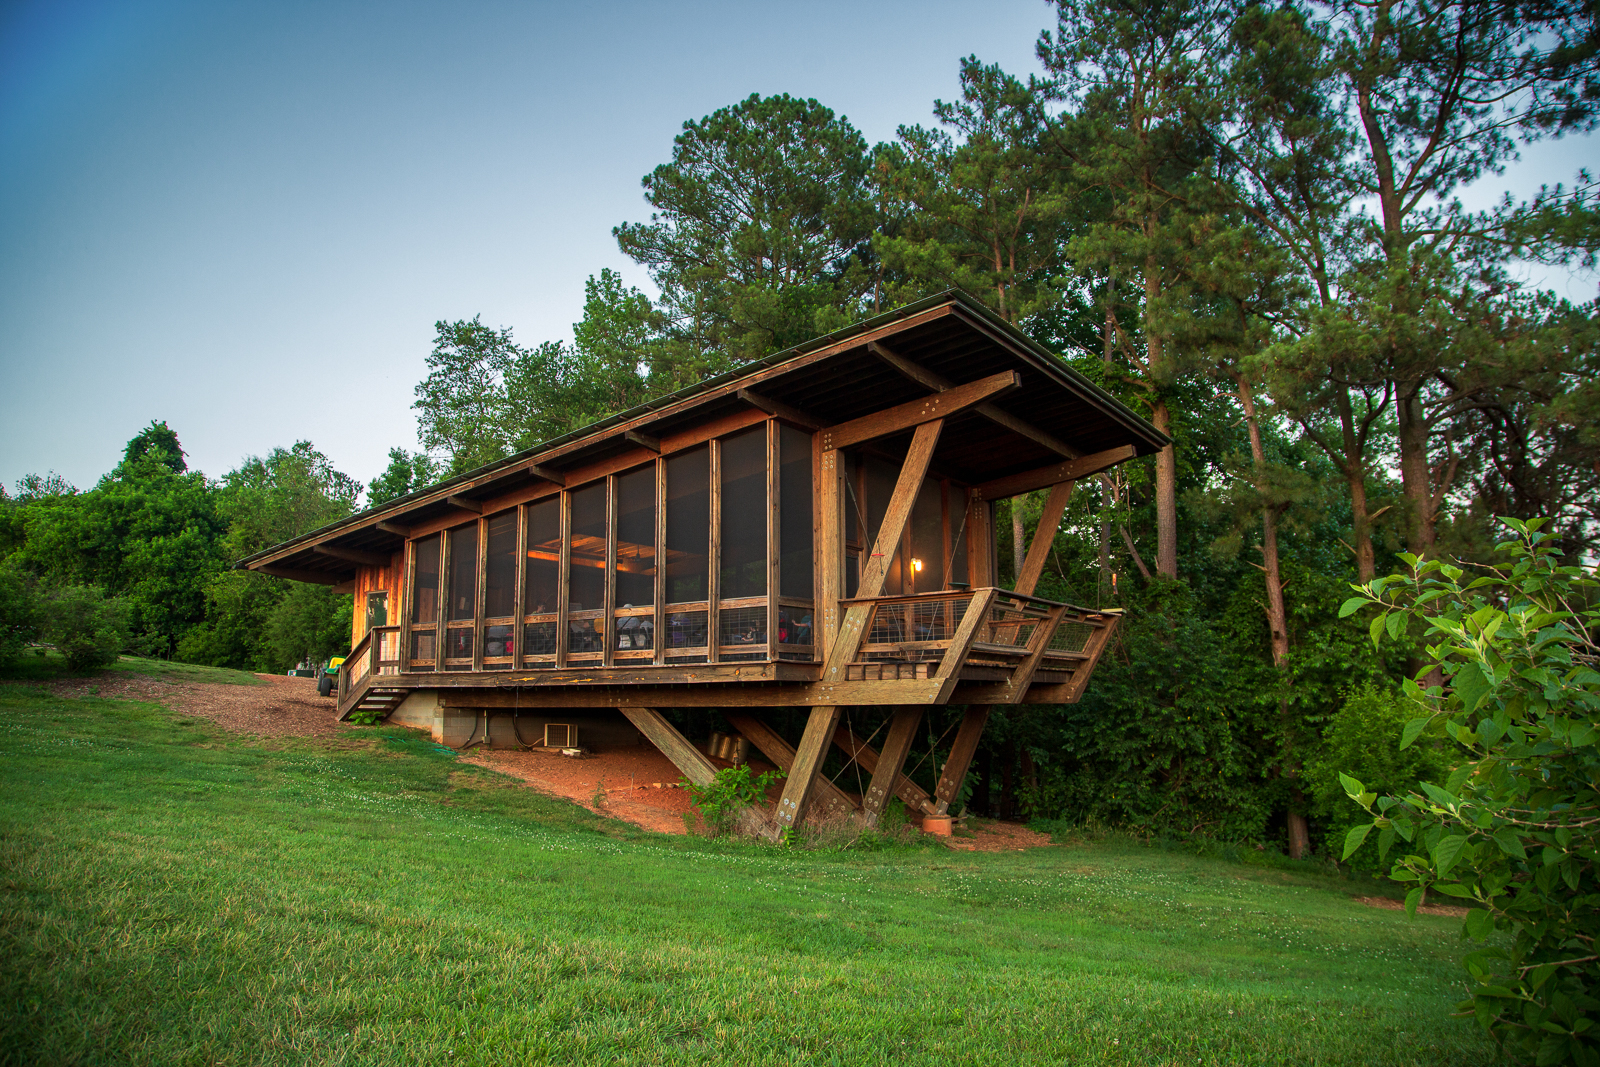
<point>462,410</point>
<point>760,234</point>
<point>406,473</point>
<point>88,628</point>
<point>267,500</point>
<point>1143,92</point>
<point>1512,831</point>
<point>986,206</point>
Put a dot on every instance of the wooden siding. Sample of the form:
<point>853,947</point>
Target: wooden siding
<point>378,579</point>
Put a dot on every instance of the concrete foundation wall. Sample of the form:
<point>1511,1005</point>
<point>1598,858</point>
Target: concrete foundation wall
<point>597,728</point>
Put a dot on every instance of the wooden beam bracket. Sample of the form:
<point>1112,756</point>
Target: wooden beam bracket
<point>904,417</point>
<point>643,440</point>
<point>464,504</point>
<point>779,409</point>
<point>1045,477</point>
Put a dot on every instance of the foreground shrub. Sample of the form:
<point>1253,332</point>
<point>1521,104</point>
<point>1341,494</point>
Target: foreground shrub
<point>1363,738</point>
<point>1513,831</point>
<point>19,611</point>
<point>721,800</point>
<point>88,628</point>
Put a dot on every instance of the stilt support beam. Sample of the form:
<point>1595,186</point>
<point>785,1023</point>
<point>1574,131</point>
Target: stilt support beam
<point>800,785</point>
<point>961,753</point>
<point>886,777</point>
<point>688,759</point>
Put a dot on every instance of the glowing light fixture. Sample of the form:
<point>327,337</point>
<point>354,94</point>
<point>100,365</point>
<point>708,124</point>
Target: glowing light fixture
<point>916,565</point>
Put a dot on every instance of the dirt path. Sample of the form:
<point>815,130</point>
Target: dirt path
<point>283,707</point>
<point>638,785</point>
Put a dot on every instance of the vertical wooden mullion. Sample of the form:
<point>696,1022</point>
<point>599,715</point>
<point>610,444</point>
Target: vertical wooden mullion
<point>408,571</point>
<point>609,600</point>
<point>442,597</point>
<point>714,554</point>
<point>563,579</point>
<point>659,649</point>
<point>946,549</point>
<point>480,603</point>
<point>773,506</point>
<point>980,541</point>
<point>518,608</point>
<point>828,565</point>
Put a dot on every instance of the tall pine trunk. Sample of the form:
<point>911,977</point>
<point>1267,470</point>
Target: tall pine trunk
<point>1355,472</point>
<point>1277,620</point>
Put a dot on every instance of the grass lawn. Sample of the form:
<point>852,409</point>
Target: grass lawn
<point>49,667</point>
<point>171,895</point>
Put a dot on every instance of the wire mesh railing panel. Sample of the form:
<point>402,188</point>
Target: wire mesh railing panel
<point>1071,636</point>
<point>686,629</point>
<point>742,626</point>
<point>540,638</point>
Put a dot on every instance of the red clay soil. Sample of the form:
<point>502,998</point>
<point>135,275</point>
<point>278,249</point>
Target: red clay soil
<point>636,784</point>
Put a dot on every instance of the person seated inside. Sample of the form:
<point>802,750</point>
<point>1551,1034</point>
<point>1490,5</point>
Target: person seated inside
<point>635,631</point>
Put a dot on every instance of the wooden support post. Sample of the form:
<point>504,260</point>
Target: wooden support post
<point>980,542</point>
<point>1043,537</point>
<point>798,787</point>
<point>886,776</point>
<point>776,749</point>
<point>688,759</point>
<point>853,627</point>
<point>961,753</point>
<point>830,545</point>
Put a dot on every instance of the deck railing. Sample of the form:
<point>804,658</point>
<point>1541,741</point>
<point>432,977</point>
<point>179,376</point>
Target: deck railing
<point>376,654</point>
<point>909,636</point>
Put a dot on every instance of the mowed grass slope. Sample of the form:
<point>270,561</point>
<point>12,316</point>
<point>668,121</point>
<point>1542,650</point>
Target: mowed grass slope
<point>172,895</point>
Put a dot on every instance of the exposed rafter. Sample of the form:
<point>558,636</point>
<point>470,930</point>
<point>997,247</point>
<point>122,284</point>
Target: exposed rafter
<point>939,383</point>
<point>779,409</point>
<point>903,417</point>
<point>366,559</point>
<point>1044,477</point>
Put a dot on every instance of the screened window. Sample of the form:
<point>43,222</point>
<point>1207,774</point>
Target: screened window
<point>543,575</point>
<point>587,587</point>
<point>794,513</point>
<point>924,563</point>
<point>463,583</point>
<point>958,536</point>
<point>636,538</point>
<point>744,514</point>
<point>880,477</point>
<point>425,581</point>
<point>500,566</point>
<point>688,526</point>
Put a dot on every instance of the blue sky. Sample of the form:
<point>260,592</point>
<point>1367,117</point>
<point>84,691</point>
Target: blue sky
<point>245,218</point>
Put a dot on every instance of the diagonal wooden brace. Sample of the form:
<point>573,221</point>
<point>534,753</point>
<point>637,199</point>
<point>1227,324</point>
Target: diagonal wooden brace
<point>828,796</point>
<point>690,760</point>
<point>961,753</point>
<point>800,785</point>
<point>886,768</point>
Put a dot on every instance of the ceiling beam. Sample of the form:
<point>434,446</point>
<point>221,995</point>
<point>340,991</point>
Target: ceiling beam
<point>643,440</point>
<point>555,477</point>
<point>394,528</point>
<point>464,504</point>
<point>779,409</point>
<point>367,559</point>
<point>939,383</point>
<point>952,401</point>
<point>1044,477</point>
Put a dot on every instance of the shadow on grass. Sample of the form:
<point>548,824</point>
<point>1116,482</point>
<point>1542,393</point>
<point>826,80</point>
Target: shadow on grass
<point>47,665</point>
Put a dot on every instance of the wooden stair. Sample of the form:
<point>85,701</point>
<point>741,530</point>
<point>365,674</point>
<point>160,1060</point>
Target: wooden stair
<point>380,698</point>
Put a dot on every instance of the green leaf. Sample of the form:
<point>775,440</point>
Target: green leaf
<point>1447,852</point>
<point>1353,839</point>
<point>1413,898</point>
<point>1480,924</point>
<point>1413,728</point>
<point>1471,686</point>
<point>1351,606</point>
<point>1510,843</point>
<point>1396,625</point>
<point>1376,631</point>
<point>1351,787</point>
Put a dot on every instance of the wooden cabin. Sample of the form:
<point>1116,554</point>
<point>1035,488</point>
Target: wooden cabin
<point>814,530</point>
